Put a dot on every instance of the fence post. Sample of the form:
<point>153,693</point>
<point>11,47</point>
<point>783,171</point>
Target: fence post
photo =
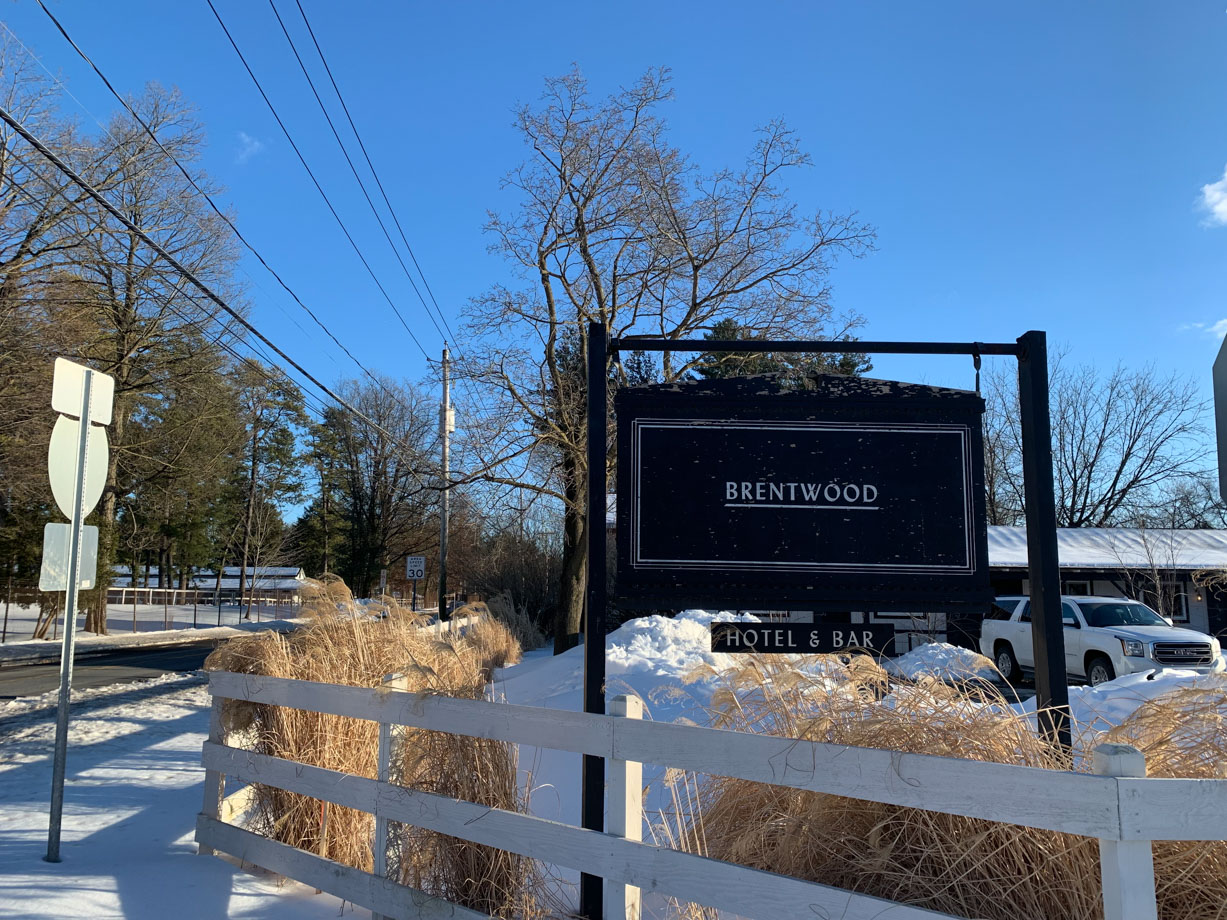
<point>1127,867</point>
<point>624,780</point>
<point>215,781</point>
<point>383,773</point>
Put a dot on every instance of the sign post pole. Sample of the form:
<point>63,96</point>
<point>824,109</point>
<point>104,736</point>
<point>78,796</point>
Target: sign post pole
<point>592,802</point>
<point>70,627</point>
<point>1048,635</point>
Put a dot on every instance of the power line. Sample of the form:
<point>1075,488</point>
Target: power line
<point>311,403</point>
<point>353,169</point>
<point>370,165</point>
<point>464,380</point>
<point>192,181</point>
<point>63,167</point>
<point>319,188</point>
<point>64,88</point>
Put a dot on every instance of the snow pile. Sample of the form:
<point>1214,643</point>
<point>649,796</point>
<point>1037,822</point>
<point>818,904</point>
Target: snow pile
<point>669,648</point>
<point>941,660</point>
<point>1097,709</point>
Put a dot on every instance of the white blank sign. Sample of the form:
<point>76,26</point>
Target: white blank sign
<point>54,573</point>
<point>68,389</point>
<point>62,464</point>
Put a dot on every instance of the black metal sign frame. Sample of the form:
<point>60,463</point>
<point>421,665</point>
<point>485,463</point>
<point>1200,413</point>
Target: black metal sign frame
<point>894,524</point>
<point>1031,351</point>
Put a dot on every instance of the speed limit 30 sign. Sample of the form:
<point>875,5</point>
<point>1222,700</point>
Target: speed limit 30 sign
<point>415,568</point>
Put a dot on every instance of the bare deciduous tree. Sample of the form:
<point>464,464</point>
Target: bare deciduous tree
<point>388,499</point>
<point>1120,442</point>
<point>617,226</point>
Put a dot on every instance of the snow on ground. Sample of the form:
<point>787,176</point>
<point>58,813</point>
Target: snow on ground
<point>123,619</point>
<point>1097,709</point>
<point>134,788</point>
<point>49,650</point>
<point>135,780</point>
<point>947,662</point>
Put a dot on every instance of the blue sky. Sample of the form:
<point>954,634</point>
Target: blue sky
<point>1058,166</point>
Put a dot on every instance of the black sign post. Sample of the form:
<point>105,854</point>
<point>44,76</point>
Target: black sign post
<point>1047,632</point>
<point>869,500</point>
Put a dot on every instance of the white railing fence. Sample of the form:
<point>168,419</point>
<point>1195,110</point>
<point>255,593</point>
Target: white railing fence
<point>1117,804</point>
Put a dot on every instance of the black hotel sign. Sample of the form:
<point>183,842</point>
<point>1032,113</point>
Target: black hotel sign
<point>851,494</point>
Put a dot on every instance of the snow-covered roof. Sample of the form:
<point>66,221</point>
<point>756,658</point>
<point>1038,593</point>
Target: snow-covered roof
<point>266,578</point>
<point>1116,548</point>
<point>1094,547</point>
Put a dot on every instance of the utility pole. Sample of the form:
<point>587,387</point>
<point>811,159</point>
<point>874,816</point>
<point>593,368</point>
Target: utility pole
<point>446,427</point>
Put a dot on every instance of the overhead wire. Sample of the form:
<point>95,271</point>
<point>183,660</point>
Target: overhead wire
<point>208,292</point>
<point>195,185</point>
<point>312,403</point>
<point>88,111</point>
<point>463,379</point>
<point>370,165</point>
<point>319,188</point>
<point>353,169</point>
<point>218,339</point>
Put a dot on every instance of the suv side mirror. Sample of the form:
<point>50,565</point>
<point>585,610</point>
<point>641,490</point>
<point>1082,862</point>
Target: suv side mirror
<point>1169,621</point>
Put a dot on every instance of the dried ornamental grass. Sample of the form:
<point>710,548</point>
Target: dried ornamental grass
<point>963,866</point>
<point>503,608</point>
<point>1184,734</point>
<point>345,644</point>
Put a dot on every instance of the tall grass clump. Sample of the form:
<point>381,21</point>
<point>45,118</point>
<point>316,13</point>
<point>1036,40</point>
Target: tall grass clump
<point>517,620</point>
<point>1184,734</point>
<point>358,645</point>
<point>963,866</point>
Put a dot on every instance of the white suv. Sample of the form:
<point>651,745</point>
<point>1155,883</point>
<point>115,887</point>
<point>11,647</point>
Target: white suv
<point>1105,637</point>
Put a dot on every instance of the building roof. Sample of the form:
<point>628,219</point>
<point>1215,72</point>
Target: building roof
<point>1094,547</point>
<point>1116,548</point>
<point>265,578</point>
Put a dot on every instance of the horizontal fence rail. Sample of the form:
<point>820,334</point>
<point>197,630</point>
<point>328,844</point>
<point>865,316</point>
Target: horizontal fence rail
<point>1074,803</point>
<point>1124,810</point>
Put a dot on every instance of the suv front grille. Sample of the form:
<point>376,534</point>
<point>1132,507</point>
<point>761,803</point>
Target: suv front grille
<point>1187,653</point>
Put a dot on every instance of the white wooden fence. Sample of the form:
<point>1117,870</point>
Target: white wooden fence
<point>1117,804</point>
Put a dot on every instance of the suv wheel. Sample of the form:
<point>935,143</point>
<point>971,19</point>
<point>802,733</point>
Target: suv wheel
<point>1006,663</point>
<point>1099,670</point>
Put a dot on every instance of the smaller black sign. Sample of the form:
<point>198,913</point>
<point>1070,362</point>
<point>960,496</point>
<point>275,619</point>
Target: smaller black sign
<point>802,638</point>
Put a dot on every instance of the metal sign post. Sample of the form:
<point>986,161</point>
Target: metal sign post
<point>592,783</point>
<point>96,393</point>
<point>1047,632</point>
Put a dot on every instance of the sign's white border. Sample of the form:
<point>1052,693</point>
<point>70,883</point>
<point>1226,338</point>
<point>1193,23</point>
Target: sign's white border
<point>962,432</point>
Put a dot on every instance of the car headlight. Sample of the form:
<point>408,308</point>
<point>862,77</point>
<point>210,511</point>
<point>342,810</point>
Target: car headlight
<point>1215,647</point>
<point>1134,648</point>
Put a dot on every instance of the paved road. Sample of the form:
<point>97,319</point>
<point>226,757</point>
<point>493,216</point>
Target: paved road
<point>100,670</point>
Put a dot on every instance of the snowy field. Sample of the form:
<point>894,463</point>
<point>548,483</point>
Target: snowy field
<point>122,619</point>
<point>135,781</point>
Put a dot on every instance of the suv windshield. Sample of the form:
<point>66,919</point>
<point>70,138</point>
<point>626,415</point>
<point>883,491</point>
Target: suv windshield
<point>1120,614</point>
